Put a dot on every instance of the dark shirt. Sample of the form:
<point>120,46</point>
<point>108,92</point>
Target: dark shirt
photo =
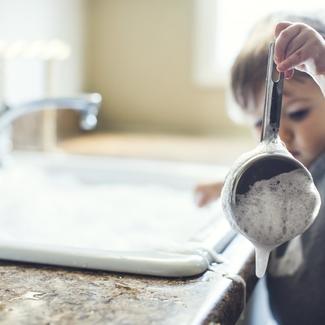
<point>296,280</point>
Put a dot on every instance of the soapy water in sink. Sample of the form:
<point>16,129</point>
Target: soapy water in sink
<point>38,208</point>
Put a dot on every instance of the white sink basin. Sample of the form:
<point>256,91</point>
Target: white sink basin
<point>122,215</point>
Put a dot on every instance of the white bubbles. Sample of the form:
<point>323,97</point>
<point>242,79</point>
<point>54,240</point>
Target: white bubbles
<point>278,209</point>
<point>275,211</point>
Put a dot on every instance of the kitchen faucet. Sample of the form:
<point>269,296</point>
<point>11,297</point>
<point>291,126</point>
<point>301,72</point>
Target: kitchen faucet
<point>87,104</point>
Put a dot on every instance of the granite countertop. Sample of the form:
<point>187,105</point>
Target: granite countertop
<point>35,294</point>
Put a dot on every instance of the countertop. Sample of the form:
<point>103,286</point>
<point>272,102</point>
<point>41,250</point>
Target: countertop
<point>219,150</point>
<point>35,294</point>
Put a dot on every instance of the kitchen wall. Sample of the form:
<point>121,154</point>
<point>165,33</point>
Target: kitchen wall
<point>23,79</point>
<point>137,54</point>
<point>139,57</point>
<point>43,20</point>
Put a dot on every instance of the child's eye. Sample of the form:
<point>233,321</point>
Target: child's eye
<point>299,115</point>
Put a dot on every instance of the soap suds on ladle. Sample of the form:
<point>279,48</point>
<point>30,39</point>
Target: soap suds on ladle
<point>274,211</point>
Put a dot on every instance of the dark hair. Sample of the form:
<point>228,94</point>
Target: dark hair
<point>248,72</point>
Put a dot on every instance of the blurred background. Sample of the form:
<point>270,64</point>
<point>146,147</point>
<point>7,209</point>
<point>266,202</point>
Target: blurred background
<point>162,67</point>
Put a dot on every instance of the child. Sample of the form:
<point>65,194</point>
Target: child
<point>296,286</point>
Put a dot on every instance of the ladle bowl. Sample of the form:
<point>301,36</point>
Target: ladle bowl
<point>266,161</point>
<point>262,167</point>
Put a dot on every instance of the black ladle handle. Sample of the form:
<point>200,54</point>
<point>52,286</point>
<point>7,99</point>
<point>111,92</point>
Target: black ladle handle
<point>273,100</point>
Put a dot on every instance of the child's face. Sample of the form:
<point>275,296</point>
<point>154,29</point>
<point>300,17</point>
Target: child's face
<point>302,126</point>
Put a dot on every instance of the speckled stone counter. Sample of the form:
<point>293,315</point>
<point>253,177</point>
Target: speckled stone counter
<point>34,294</point>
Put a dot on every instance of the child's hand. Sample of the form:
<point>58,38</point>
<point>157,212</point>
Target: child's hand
<point>298,46</point>
<point>206,193</point>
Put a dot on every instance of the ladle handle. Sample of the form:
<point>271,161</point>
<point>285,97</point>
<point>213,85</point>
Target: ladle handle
<point>273,100</point>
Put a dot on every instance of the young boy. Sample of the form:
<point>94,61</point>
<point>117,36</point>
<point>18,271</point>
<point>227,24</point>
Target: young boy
<point>295,281</point>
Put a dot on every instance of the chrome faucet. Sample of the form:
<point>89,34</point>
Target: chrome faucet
<point>87,104</point>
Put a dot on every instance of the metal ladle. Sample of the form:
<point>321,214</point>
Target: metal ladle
<point>266,165</point>
<point>254,216</point>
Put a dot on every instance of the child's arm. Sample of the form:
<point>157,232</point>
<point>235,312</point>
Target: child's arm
<point>206,193</point>
<point>298,46</point>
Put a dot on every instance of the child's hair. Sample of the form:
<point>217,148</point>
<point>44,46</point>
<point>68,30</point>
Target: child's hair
<point>248,72</point>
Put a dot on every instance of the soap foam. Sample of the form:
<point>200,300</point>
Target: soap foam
<point>276,210</point>
<point>273,211</point>
<point>62,210</point>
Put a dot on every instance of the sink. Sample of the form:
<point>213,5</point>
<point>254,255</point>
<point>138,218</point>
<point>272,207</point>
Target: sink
<point>122,215</point>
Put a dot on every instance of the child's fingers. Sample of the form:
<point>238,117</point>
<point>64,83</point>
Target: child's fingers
<point>283,41</point>
<point>289,74</point>
<point>280,27</point>
<point>200,196</point>
<point>295,59</point>
<point>295,47</point>
<point>202,199</point>
<point>296,44</point>
<point>205,194</point>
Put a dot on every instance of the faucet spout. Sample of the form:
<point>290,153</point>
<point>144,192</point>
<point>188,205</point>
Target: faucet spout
<point>87,104</point>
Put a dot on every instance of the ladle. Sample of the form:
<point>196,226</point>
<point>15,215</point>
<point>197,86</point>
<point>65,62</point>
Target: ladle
<point>268,160</point>
<point>266,165</point>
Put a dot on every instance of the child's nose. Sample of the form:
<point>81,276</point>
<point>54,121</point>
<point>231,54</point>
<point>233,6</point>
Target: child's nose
<point>285,132</point>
